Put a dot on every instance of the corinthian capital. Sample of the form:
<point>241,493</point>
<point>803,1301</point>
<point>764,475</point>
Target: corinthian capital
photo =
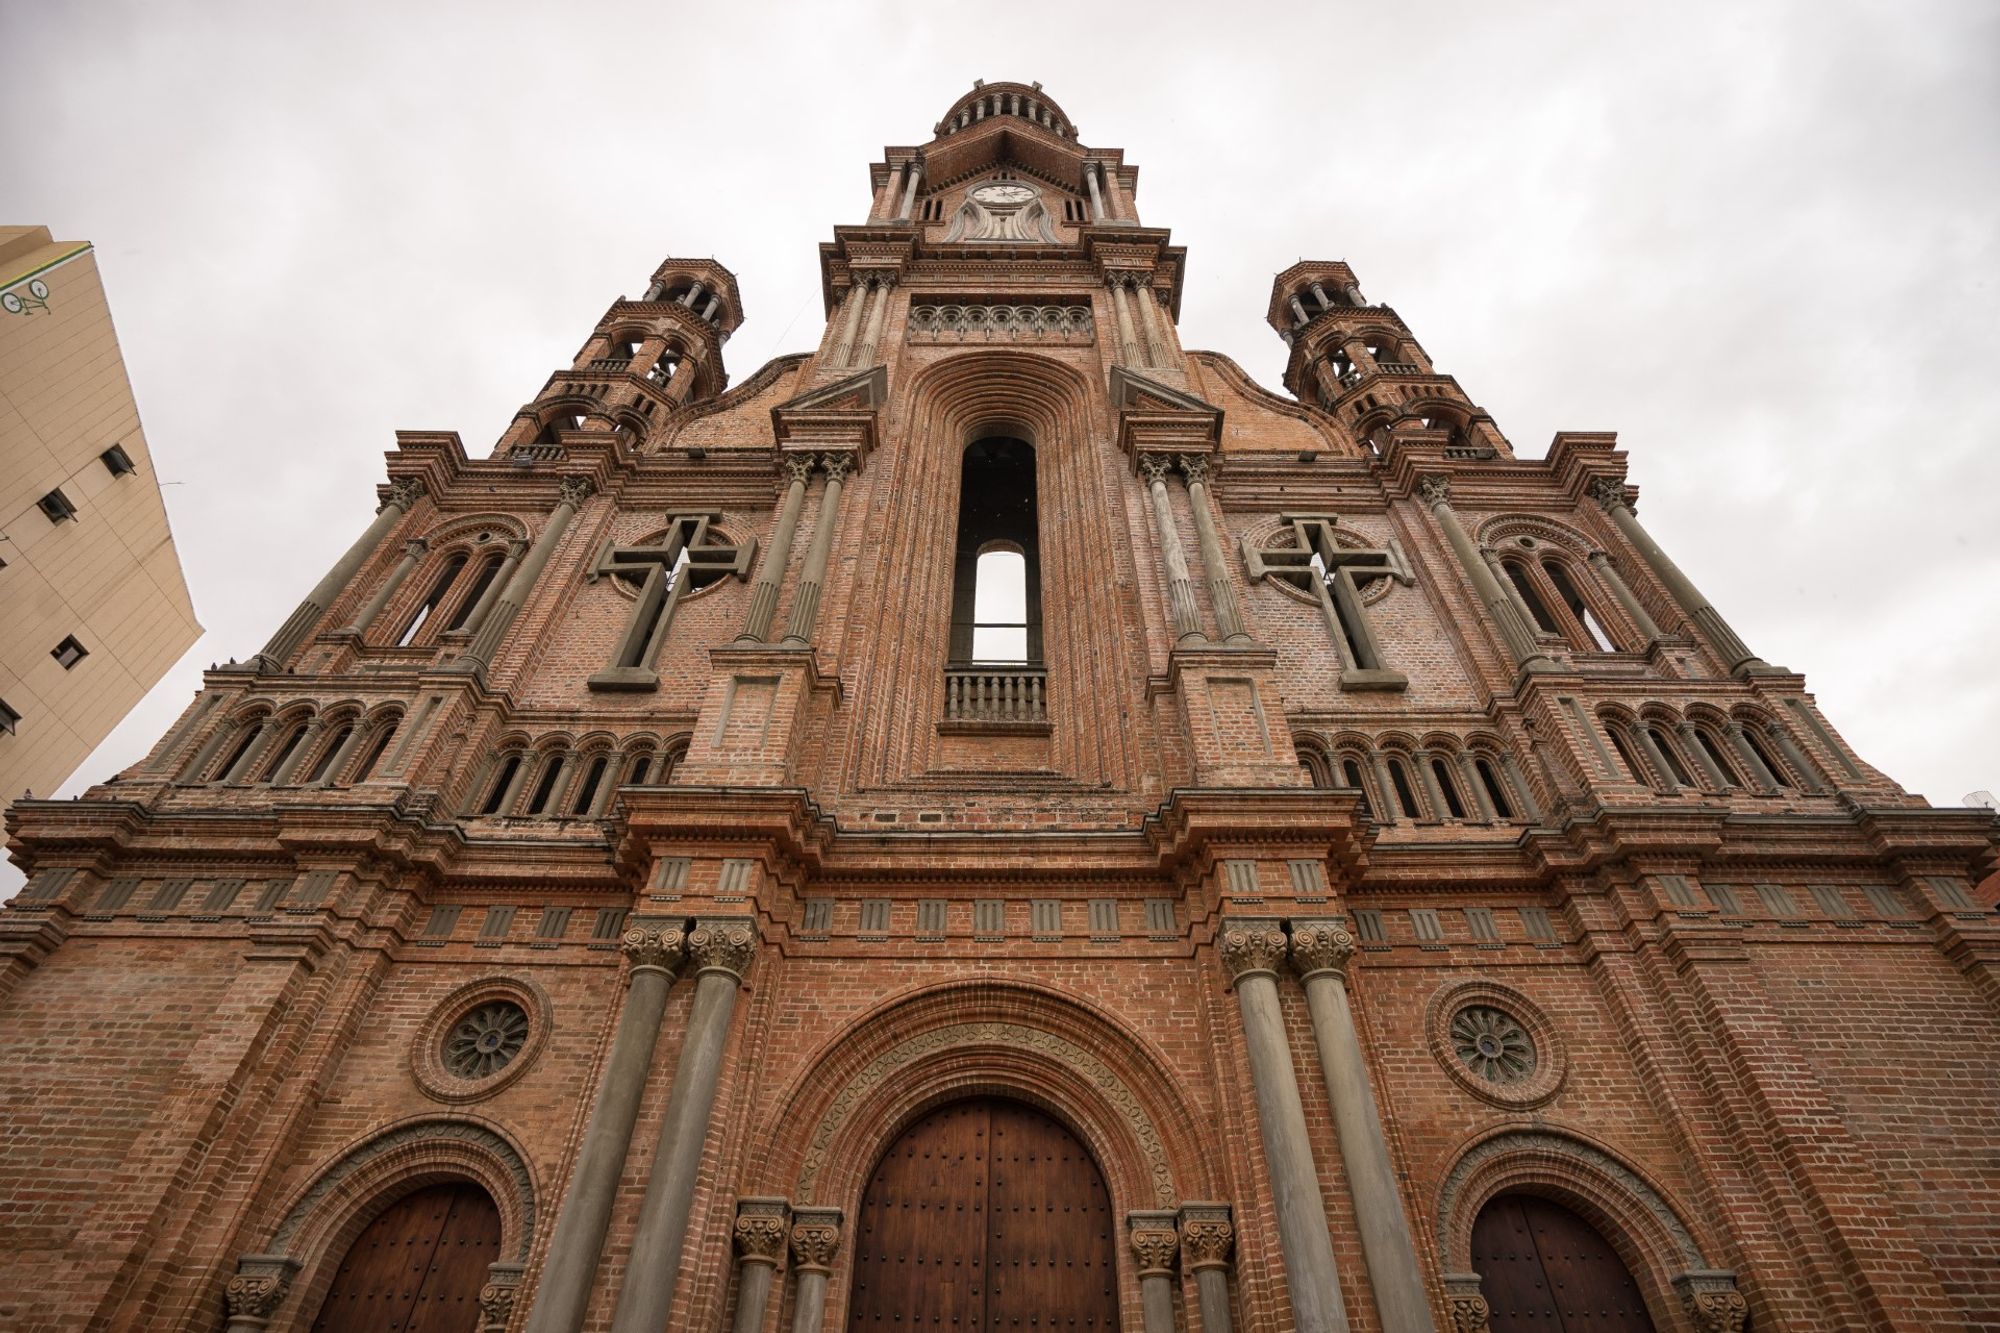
<point>403,492</point>
<point>723,946</point>
<point>1608,492</point>
<point>799,467</point>
<point>1435,490</point>
<point>1469,1311</point>
<point>1157,467</point>
<point>258,1287</point>
<point>837,465</point>
<point>1252,947</point>
<point>761,1230</point>
<point>1321,946</point>
<point>1712,1302</point>
<point>1206,1235</point>
<point>1155,1242</point>
<point>815,1239</point>
<point>1196,468</point>
<point>656,947</point>
<point>574,490</point>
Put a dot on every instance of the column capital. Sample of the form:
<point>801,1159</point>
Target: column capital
<point>1154,1241</point>
<point>1609,492</point>
<point>1207,1235</point>
<point>1157,467</point>
<point>1251,947</point>
<point>1321,946</point>
<point>762,1230</point>
<point>403,492</point>
<point>1196,468</point>
<point>1712,1301</point>
<point>1466,1303</point>
<point>415,547</point>
<point>258,1287</point>
<point>799,467</point>
<point>1435,490</point>
<point>837,465</point>
<point>516,548</point>
<point>574,490</point>
<point>815,1239</point>
<point>653,949</point>
<point>496,1298</point>
<point>724,944</point>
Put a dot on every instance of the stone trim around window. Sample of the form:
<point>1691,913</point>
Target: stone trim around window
<point>1464,1010</point>
<point>430,1061</point>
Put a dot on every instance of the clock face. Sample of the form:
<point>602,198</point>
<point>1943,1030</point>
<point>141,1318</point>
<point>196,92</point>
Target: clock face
<point>1003,194</point>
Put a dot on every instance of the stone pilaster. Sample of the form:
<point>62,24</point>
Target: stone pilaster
<point>403,494</point>
<point>1610,495</point>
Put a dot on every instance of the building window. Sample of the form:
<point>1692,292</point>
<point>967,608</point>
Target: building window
<point>1723,768</point>
<point>430,604</point>
<point>1566,589</point>
<point>57,506</point>
<point>586,792</point>
<point>1447,788</point>
<point>480,583</point>
<point>1406,797</point>
<point>1671,756</point>
<point>502,780</point>
<point>386,734</point>
<point>997,584</point>
<point>117,461</point>
<point>1496,791</point>
<point>327,754</point>
<point>69,652</point>
<point>9,719</point>
<point>1778,773</point>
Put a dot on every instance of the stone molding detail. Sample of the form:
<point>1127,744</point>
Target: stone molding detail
<point>726,945</point>
<point>1548,1146</point>
<point>257,1288</point>
<point>1207,1235</point>
<point>815,1239</point>
<point>761,1230</point>
<point>431,1065</point>
<point>932,322</point>
<point>1098,1074</point>
<point>655,948</point>
<point>403,492</point>
<point>1251,948</point>
<point>1154,1241</point>
<point>1492,1043</point>
<point>1467,1304</point>
<point>1321,946</point>
<point>1447,1026</point>
<point>1712,1301</point>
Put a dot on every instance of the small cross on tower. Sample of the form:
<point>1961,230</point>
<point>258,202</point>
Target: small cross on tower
<point>1316,562</point>
<point>682,559</point>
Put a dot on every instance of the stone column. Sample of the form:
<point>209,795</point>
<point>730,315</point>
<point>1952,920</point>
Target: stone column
<point>761,1231</point>
<point>1492,559</point>
<point>571,1266</point>
<point>1090,170</point>
<point>883,283</point>
<point>1319,295</point>
<point>1392,809</point>
<point>1523,793</point>
<point>913,175</point>
<point>1738,658</point>
<point>478,654</point>
<point>344,755</point>
<point>851,307</point>
<point>402,495</point>
<point>1761,777</point>
<point>1469,1311</point>
<point>805,606</point>
<point>815,1241</point>
<point>516,549</point>
<point>1128,341</point>
<point>720,952</point>
<point>1214,565</point>
<point>1155,1242</point>
<point>1159,346</point>
<point>892,185</point>
<point>1657,757</point>
<point>1691,740</point>
<point>1621,593</point>
<point>771,575</point>
<point>1252,950</point>
<point>1514,628</point>
<point>1206,1239</point>
<point>1180,588</point>
<point>282,774</point>
<point>1321,951</point>
<point>256,1290</point>
<point>1479,806</point>
<point>413,552</point>
<point>1808,775</point>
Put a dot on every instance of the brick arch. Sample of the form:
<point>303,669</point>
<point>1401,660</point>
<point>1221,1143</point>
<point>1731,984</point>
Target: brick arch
<point>939,1043</point>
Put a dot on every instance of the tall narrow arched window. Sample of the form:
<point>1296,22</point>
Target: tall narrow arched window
<point>1496,790</point>
<point>328,753</point>
<point>284,752</point>
<point>1725,769</point>
<point>547,784</point>
<point>1777,771</point>
<point>481,581</point>
<point>1350,770</point>
<point>1530,598</point>
<point>586,791</point>
<point>384,733</point>
<point>1565,587</point>
<point>996,606</point>
<point>1671,755</point>
<point>433,599</point>
<point>503,782</point>
<point>1406,796</point>
<point>240,753</point>
<point>1448,789</point>
<point>1639,772</point>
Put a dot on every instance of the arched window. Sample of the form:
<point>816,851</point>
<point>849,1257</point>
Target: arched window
<point>1565,588</point>
<point>1313,763</point>
<point>1350,770</point>
<point>1778,774</point>
<point>641,770</point>
<point>428,607</point>
<point>554,765</point>
<point>996,613</point>
<point>329,752</point>
<point>1406,796</point>
<point>239,753</point>
<point>481,581</point>
<point>1721,764</point>
<point>384,733</point>
<point>1496,790</point>
<point>1441,772</point>
<point>293,737</point>
<point>1640,773</point>
<point>1530,598</point>
<point>561,421</point>
<point>586,791</point>
<point>1670,755</point>
<point>503,781</point>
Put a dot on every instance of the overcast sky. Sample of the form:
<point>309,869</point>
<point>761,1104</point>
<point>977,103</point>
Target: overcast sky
<point>1757,240</point>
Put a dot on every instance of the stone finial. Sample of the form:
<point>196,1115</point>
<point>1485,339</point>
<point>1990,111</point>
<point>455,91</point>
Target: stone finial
<point>1467,1304</point>
<point>1252,947</point>
<point>815,1239</point>
<point>1712,1301</point>
<point>1435,490</point>
<point>762,1230</point>
<point>1154,1241</point>
<point>656,947</point>
<point>723,946</point>
<point>257,1288</point>
<point>1207,1235</point>
<point>574,490</point>
<point>1608,492</point>
<point>837,465</point>
<point>1321,946</point>
<point>403,492</point>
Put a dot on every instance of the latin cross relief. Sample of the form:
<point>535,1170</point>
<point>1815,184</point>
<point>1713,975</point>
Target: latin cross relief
<point>684,559</point>
<point>1334,576</point>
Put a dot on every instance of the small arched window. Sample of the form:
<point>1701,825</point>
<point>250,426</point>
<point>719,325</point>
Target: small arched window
<point>1721,764</point>
<point>384,733</point>
<point>1496,790</point>
<point>503,780</point>
<point>1640,773</point>
<point>1777,772</point>
<point>1441,772</point>
<point>641,770</point>
<point>586,791</point>
<point>1406,796</point>
<point>285,749</point>
<point>481,581</point>
<point>1566,589</point>
<point>1313,764</point>
<point>329,752</point>
<point>432,600</point>
<point>554,765</point>
<point>1530,598</point>
<point>1670,755</point>
<point>228,770</point>
<point>1350,770</point>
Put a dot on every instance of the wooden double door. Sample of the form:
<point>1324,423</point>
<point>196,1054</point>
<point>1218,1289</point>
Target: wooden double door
<point>985,1215</point>
<point>1543,1269</point>
<point>418,1267</point>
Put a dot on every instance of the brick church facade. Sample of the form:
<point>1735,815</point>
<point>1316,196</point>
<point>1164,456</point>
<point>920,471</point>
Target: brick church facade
<point>1001,822</point>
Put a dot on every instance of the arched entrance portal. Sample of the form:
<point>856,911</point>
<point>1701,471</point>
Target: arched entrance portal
<point>985,1215</point>
<point>1543,1269</point>
<point>418,1267</point>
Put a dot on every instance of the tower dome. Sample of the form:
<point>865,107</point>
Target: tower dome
<point>1024,100</point>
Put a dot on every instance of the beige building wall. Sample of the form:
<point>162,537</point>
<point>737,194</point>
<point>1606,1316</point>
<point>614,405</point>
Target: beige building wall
<point>109,576</point>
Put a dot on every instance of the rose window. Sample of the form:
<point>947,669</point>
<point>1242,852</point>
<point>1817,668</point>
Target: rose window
<point>486,1040</point>
<point>1492,1044</point>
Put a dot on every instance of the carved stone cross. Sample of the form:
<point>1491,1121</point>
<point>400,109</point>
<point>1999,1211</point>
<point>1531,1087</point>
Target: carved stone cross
<point>682,560</point>
<point>1316,562</point>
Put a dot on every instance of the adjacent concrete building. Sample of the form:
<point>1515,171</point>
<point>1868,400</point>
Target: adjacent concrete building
<point>1001,822</point>
<point>93,607</point>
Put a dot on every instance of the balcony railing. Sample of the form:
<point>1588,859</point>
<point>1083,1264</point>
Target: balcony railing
<point>614,365</point>
<point>1399,368</point>
<point>996,694</point>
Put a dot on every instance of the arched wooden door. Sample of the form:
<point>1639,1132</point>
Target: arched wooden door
<point>1543,1269</point>
<point>985,1215</point>
<point>418,1267</point>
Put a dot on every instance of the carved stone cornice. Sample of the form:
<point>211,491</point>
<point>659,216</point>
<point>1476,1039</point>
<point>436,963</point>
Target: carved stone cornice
<point>762,1228</point>
<point>815,1239</point>
<point>1251,947</point>
<point>653,949</point>
<point>1154,1241</point>
<point>1207,1235</point>
<point>724,944</point>
<point>1321,946</point>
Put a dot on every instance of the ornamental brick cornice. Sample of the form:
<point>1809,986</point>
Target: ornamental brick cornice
<point>1196,820</point>
<point>783,821</point>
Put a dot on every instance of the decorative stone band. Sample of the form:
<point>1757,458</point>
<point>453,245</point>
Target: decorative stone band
<point>762,1230</point>
<point>1251,947</point>
<point>726,944</point>
<point>1321,946</point>
<point>1712,1300</point>
<point>1469,1311</point>
<point>815,1239</point>
<point>257,1288</point>
<point>1000,323</point>
<point>1207,1235</point>
<point>651,948</point>
<point>1154,1241</point>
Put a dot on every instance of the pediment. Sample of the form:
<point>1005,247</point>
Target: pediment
<point>864,391</point>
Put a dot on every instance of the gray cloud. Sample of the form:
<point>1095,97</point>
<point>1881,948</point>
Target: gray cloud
<point>1756,240</point>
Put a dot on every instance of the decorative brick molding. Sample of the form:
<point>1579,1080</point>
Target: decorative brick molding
<point>432,1058</point>
<point>1463,1017</point>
